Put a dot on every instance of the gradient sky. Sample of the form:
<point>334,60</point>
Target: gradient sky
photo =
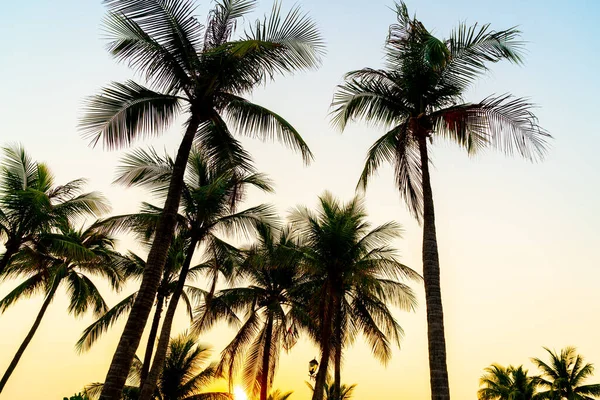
<point>518,241</point>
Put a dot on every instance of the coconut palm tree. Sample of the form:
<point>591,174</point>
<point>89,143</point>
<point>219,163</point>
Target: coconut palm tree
<point>203,72</point>
<point>418,98</point>
<point>67,258</point>
<point>564,376</point>
<point>183,377</point>
<point>346,391</point>
<point>209,204</point>
<point>271,271</point>
<point>511,383</point>
<point>354,275</point>
<point>31,203</point>
<point>279,395</point>
<point>133,269</point>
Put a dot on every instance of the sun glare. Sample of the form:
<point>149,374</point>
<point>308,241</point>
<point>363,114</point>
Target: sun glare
<point>239,394</point>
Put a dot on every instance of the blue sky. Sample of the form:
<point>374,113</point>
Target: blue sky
<point>517,240</point>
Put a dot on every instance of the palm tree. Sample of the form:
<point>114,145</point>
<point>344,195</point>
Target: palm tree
<point>68,257</point>
<point>209,204</point>
<point>133,268</point>
<point>418,96</point>
<point>346,391</point>
<point>31,203</point>
<point>203,72</point>
<point>279,395</point>
<point>354,275</point>
<point>511,383</point>
<point>564,376</point>
<point>269,304</point>
<point>183,377</point>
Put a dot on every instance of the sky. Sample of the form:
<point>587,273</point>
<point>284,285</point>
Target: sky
<point>518,241</point>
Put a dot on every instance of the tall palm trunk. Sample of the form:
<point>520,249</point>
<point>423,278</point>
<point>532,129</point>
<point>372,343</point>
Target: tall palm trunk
<point>132,334</point>
<point>36,324</point>
<point>160,298</point>
<point>337,333</point>
<point>438,370</point>
<point>326,331</point>
<point>264,379</point>
<point>165,332</point>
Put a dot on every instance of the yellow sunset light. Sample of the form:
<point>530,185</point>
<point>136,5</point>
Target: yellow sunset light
<point>239,394</point>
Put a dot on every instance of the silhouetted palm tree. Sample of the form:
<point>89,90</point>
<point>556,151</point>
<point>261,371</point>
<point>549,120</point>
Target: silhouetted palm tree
<point>184,376</point>
<point>511,383</point>
<point>32,204</point>
<point>202,72</point>
<point>563,378</point>
<point>346,391</point>
<point>279,395</point>
<point>418,96</point>
<point>68,258</point>
<point>209,205</point>
<point>354,275</point>
<point>271,271</point>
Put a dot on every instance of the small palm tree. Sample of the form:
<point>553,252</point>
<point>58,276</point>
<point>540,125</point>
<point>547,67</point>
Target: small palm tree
<point>202,72</point>
<point>418,98</point>
<point>511,383</point>
<point>353,276</point>
<point>210,199</point>
<point>183,377</point>
<point>31,203</point>
<point>269,305</point>
<point>346,391</point>
<point>67,258</point>
<point>564,376</point>
<point>279,395</point>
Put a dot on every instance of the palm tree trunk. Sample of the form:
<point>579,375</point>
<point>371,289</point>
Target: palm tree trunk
<point>138,317</point>
<point>438,369</point>
<point>165,332</point>
<point>264,379</point>
<point>36,324</point>
<point>160,298</point>
<point>337,379</point>
<point>326,331</point>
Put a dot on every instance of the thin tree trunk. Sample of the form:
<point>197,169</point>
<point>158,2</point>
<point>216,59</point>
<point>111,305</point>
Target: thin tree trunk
<point>160,298</point>
<point>337,378</point>
<point>165,332</point>
<point>326,331</point>
<point>36,324</point>
<point>264,379</point>
<point>138,317</point>
<point>438,369</point>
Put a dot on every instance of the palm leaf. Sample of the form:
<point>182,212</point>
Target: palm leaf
<point>123,112</point>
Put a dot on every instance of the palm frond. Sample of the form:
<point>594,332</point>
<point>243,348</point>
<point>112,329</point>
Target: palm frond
<point>145,168</point>
<point>253,120</point>
<point>471,47</point>
<point>30,287</point>
<point>124,112</point>
<point>502,122</point>
<point>155,31</point>
<point>92,333</point>
<point>222,20</point>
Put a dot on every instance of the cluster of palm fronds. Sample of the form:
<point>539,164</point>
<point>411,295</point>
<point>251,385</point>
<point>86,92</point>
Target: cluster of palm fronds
<point>325,273</point>
<point>563,377</point>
